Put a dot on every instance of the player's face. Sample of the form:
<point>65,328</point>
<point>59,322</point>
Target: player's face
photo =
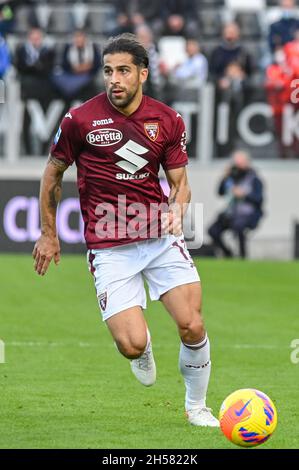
<point>123,79</point>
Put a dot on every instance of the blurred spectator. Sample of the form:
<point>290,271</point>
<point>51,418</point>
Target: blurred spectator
<point>232,84</point>
<point>291,51</point>
<point>244,191</point>
<point>34,62</point>
<point>7,16</point>
<point>279,76</point>
<point>123,18</point>
<point>5,61</point>
<point>185,78</point>
<point>231,67</point>
<point>124,25</point>
<point>81,62</point>
<point>282,31</point>
<point>230,51</point>
<point>194,71</point>
<point>131,14</point>
<point>180,18</point>
<point>175,25</point>
<point>154,83</point>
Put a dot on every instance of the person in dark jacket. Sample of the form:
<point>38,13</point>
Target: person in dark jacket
<point>180,18</point>
<point>80,64</point>
<point>7,19</point>
<point>283,31</point>
<point>244,190</point>
<point>131,15</point>
<point>34,61</point>
<point>230,51</point>
<point>231,68</point>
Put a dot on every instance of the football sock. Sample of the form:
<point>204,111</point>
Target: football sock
<point>195,366</point>
<point>148,339</point>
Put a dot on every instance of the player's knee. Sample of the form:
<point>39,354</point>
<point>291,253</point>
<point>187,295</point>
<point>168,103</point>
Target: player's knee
<point>131,349</point>
<point>193,328</point>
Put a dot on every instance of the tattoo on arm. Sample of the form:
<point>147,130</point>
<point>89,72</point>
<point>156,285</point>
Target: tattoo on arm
<point>59,164</point>
<point>55,194</point>
<point>55,187</point>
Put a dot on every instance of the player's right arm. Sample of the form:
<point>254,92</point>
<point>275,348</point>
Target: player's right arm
<point>64,149</point>
<point>47,246</point>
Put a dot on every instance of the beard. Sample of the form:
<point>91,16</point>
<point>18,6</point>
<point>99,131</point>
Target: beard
<point>125,100</point>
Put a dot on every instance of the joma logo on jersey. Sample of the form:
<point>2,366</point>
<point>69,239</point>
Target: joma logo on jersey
<point>104,137</point>
<point>102,122</point>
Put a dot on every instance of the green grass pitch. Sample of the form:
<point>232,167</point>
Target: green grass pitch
<point>64,385</point>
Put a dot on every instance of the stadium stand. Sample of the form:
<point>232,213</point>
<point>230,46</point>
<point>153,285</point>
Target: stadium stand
<point>101,18</point>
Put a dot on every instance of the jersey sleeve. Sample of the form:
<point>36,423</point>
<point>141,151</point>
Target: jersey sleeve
<point>176,152</point>
<point>67,141</point>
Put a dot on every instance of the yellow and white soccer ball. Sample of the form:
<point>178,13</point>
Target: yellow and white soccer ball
<point>248,417</point>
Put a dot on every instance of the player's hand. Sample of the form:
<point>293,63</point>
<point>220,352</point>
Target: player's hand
<point>46,248</point>
<point>171,222</point>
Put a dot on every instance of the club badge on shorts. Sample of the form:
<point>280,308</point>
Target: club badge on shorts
<point>152,130</point>
<point>102,298</point>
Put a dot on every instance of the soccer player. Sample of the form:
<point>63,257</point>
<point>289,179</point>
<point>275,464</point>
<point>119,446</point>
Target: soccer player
<point>118,141</point>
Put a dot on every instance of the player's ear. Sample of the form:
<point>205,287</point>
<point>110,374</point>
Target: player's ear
<point>143,75</point>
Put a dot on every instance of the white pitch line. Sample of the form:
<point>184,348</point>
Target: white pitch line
<point>256,346</point>
<point>81,344</point>
<point>53,344</point>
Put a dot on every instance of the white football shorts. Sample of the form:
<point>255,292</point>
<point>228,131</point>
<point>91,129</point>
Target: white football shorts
<point>119,272</point>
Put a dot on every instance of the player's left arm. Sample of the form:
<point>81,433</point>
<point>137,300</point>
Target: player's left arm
<point>178,200</point>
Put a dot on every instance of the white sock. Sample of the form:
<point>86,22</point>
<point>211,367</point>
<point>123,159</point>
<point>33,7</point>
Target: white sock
<point>148,342</point>
<point>195,366</point>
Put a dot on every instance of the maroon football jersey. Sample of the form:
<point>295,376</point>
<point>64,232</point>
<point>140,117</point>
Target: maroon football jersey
<point>118,159</point>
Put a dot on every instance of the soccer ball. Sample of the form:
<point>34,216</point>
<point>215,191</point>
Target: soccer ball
<point>248,417</point>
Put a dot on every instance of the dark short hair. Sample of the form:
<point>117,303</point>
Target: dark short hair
<point>127,42</point>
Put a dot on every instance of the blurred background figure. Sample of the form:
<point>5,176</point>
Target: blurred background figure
<point>153,86</point>
<point>194,71</point>
<point>7,16</point>
<point>283,30</point>
<point>34,62</point>
<point>80,64</point>
<point>279,76</point>
<point>5,64</point>
<point>5,60</point>
<point>291,51</point>
<point>244,191</point>
<point>180,18</point>
<point>230,51</point>
<point>123,18</point>
<point>185,79</point>
<point>231,67</point>
<point>130,15</point>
